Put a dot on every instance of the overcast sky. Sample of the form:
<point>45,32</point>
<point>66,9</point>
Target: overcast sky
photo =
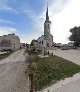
<point>26,18</point>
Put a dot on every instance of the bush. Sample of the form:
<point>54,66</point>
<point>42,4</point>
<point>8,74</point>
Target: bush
<point>33,52</point>
<point>7,50</point>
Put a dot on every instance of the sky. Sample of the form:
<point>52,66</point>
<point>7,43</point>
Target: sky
<point>26,18</point>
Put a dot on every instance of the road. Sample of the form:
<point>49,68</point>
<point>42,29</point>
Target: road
<point>14,79</point>
<point>12,73</point>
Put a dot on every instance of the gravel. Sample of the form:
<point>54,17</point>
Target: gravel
<point>71,55</point>
<point>12,73</point>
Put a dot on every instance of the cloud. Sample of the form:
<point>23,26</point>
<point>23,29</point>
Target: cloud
<point>64,14</point>
<point>30,13</point>
<point>36,21</point>
<point>55,8</point>
<point>5,7</point>
<point>58,26</point>
<point>7,30</point>
<point>63,21</point>
<point>27,38</point>
<point>59,13</point>
<point>2,21</point>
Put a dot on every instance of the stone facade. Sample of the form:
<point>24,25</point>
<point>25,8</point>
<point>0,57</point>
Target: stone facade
<point>10,41</point>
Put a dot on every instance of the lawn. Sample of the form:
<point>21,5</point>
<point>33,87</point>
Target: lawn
<point>49,70</point>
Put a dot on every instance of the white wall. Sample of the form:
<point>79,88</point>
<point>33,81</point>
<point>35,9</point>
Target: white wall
<point>40,44</point>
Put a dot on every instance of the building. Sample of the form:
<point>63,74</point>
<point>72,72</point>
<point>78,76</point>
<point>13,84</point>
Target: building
<point>46,40</point>
<point>71,44</point>
<point>22,45</point>
<point>10,41</point>
<point>58,45</point>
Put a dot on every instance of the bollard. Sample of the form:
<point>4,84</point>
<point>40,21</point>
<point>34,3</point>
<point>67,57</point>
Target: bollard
<point>48,52</point>
<point>52,54</point>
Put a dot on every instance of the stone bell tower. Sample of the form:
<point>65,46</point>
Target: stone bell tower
<point>47,35</point>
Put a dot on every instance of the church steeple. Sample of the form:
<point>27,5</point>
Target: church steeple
<point>47,23</point>
<point>47,17</point>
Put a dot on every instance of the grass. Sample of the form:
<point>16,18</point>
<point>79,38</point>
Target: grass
<point>51,69</point>
<point>2,56</point>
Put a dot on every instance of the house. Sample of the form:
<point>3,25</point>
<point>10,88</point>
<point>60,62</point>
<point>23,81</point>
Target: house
<point>10,41</point>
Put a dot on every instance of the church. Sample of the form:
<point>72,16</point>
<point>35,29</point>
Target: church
<point>46,40</point>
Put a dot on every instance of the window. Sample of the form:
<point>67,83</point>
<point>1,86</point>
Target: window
<point>42,42</point>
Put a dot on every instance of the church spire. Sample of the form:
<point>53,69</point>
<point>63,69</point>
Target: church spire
<point>47,17</point>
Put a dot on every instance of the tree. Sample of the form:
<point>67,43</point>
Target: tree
<point>75,36</point>
<point>33,42</point>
